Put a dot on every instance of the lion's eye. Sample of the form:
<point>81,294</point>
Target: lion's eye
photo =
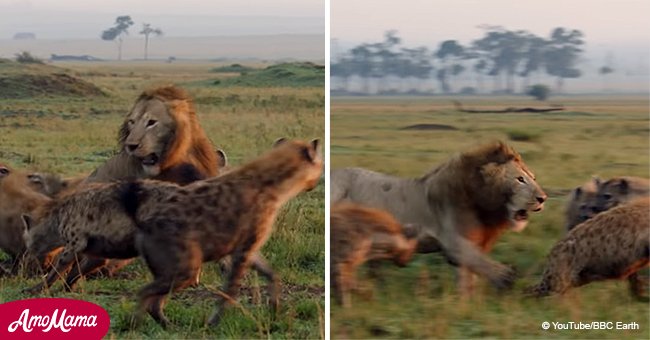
<point>521,179</point>
<point>151,122</point>
<point>131,122</point>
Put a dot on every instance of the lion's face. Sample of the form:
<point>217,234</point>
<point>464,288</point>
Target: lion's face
<point>526,194</point>
<point>148,129</point>
<point>515,184</point>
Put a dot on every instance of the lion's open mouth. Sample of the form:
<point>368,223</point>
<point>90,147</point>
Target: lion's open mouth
<point>521,215</point>
<point>150,160</point>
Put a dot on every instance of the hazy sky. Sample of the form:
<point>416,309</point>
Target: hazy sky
<point>427,22</point>
<point>178,7</point>
<point>74,19</point>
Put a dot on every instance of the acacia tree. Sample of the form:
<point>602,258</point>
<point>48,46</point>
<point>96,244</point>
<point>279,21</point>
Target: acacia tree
<point>147,30</point>
<point>449,53</point>
<point>562,55</point>
<point>115,33</point>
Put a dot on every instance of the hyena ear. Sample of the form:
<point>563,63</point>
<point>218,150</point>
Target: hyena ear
<point>279,141</point>
<point>623,186</point>
<point>222,159</point>
<point>28,221</point>
<point>577,192</point>
<point>596,180</point>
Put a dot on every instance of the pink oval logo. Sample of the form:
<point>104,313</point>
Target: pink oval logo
<point>53,318</point>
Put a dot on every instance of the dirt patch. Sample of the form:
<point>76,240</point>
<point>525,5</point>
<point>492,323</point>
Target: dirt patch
<point>19,86</point>
<point>428,127</point>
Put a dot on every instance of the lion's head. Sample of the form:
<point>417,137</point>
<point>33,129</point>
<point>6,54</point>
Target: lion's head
<point>162,130</point>
<point>504,181</point>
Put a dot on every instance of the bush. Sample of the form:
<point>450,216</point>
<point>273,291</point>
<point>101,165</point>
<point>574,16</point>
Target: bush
<point>468,90</point>
<point>523,136</point>
<point>27,58</point>
<point>539,91</point>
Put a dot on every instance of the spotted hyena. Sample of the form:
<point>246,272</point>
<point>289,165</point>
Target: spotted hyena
<point>614,244</point>
<point>232,214</point>
<point>360,234</point>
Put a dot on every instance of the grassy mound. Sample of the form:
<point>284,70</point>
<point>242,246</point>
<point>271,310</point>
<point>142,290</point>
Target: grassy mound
<point>233,68</point>
<point>281,75</point>
<point>19,81</point>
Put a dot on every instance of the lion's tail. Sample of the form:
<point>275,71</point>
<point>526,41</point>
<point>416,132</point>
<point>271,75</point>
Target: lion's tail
<point>130,196</point>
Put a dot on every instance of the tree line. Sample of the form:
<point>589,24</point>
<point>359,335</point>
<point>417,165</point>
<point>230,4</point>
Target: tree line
<point>121,28</point>
<point>501,56</point>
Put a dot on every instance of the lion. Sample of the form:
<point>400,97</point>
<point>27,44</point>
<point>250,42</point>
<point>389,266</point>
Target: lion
<point>619,190</point>
<point>580,202</point>
<point>360,234</point>
<point>462,206</point>
<point>614,244</point>
<point>159,134</point>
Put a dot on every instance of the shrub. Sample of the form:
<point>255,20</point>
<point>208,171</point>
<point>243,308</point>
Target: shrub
<point>27,58</point>
<point>539,91</point>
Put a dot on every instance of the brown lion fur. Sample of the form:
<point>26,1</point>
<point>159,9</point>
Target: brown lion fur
<point>189,143</point>
<point>360,234</point>
<point>462,205</point>
<point>614,244</point>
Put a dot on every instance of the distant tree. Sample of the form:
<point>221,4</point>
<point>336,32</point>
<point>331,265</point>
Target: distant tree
<point>539,92</point>
<point>115,33</point>
<point>562,55</point>
<point>147,30</point>
<point>505,51</point>
<point>605,70</point>
<point>450,51</point>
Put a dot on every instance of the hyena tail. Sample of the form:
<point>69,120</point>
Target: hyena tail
<point>130,195</point>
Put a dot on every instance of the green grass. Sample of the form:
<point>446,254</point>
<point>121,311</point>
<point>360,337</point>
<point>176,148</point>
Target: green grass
<point>281,75</point>
<point>609,137</point>
<point>71,136</point>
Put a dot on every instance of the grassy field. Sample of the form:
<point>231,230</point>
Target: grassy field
<point>607,136</point>
<point>72,135</point>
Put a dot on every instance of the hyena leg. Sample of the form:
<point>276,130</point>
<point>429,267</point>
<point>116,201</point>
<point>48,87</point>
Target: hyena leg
<point>88,265</point>
<point>337,285</point>
<point>174,265</point>
<point>639,286</point>
<point>65,261</point>
<point>346,274</point>
<point>240,263</point>
<point>259,263</point>
<point>111,267</point>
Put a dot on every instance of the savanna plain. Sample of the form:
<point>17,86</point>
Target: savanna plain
<point>64,118</point>
<point>603,135</point>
